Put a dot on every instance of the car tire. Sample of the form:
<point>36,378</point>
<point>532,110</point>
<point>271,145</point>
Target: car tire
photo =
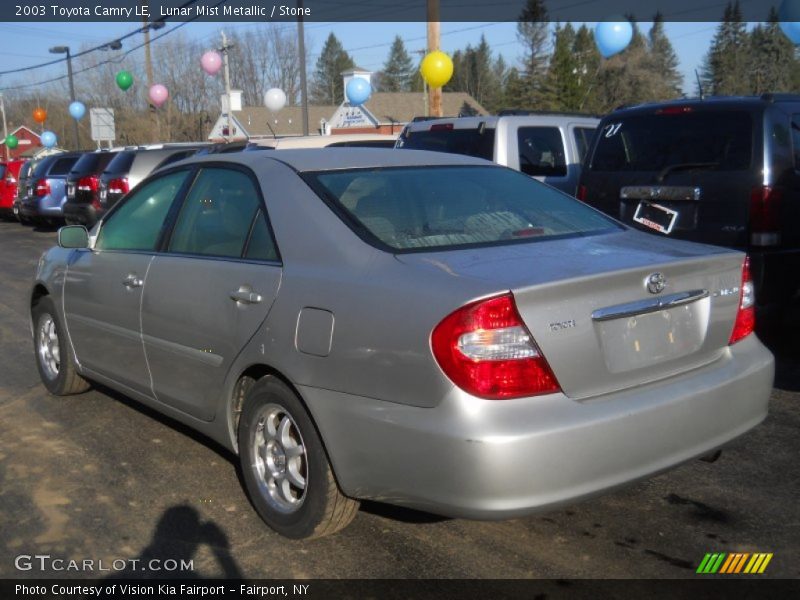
<point>286,470</point>
<point>25,221</point>
<point>54,359</point>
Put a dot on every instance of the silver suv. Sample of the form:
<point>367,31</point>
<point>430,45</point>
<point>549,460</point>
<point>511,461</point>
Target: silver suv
<point>547,146</point>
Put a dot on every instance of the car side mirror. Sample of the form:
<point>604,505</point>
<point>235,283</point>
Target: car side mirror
<point>73,236</point>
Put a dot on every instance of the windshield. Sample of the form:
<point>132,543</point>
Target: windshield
<point>721,141</point>
<point>415,208</point>
<point>472,142</point>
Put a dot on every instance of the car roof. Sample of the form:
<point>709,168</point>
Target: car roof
<point>709,103</point>
<point>492,121</point>
<point>321,141</point>
<point>329,159</point>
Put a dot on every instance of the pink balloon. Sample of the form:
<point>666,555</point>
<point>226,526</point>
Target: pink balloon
<point>211,62</point>
<point>158,94</point>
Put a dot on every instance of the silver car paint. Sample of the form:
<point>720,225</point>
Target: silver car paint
<point>379,395</point>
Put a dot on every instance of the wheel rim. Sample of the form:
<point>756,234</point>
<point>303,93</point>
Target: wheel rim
<point>279,459</point>
<point>49,349</point>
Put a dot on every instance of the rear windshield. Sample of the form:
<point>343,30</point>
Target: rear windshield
<point>472,142</point>
<point>25,170</point>
<point>121,163</point>
<point>721,141</point>
<point>41,167</point>
<point>417,208</point>
<point>92,162</point>
<point>61,166</point>
<point>2,171</point>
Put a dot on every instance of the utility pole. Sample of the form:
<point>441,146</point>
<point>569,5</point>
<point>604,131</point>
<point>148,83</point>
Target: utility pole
<point>227,72</point>
<point>65,50</point>
<point>426,100</point>
<point>148,64</point>
<point>301,47</point>
<point>5,126</point>
<point>434,37</point>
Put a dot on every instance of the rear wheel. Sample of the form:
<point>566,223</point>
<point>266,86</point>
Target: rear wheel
<point>285,467</point>
<point>53,359</point>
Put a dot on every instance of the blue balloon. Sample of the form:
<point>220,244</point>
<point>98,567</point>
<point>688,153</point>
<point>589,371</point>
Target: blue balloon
<point>358,91</point>
<point>612,37</point>
<point>77,110</point>
<point>48,139</point>
<point>789,15</point>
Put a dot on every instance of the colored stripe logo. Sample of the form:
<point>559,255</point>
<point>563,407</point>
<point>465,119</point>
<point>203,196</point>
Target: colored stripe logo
<point>734,563</point>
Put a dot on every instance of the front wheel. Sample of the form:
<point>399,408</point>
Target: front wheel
<point>285,467</point>
<point>53,358</point>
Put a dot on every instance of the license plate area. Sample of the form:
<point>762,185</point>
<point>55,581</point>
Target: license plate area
<point>655,216</point>
<point>71,191</point>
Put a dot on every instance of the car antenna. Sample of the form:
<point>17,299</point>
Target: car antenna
<point>699,85</point>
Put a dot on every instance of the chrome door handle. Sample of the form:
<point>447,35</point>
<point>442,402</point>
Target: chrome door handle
<point>132,281</point>
<point>246,296</point>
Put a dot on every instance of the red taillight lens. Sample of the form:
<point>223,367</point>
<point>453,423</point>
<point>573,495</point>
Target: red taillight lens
<point>581,193</point>
<point>442,127</point>
<point>88,184</point>
<point>118,186</point>
<point>674,110</point>
<point>487,351</point>
<point>764,217</point>
<point>746,315</point>
<point>42,187</point>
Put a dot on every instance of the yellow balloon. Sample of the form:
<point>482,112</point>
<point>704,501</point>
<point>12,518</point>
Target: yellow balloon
<point>436,68</point>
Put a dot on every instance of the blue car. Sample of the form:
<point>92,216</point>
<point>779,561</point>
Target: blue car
<point>46,191</point>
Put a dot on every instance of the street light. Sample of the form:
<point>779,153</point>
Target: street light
<point>65,50</point>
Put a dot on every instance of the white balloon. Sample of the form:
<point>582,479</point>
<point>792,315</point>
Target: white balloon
<point>275,99</point>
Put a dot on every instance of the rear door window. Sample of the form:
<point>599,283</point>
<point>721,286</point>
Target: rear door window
<point>721,141</point>
<point>541,151</point>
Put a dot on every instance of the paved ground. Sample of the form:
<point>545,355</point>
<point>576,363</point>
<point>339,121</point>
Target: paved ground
<point>97,476</point>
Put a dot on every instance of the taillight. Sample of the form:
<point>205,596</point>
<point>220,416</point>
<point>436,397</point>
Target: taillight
<point>764,217</point>
<point>441,127</point>
<point>486,350</point>
<point>42,187</point>
<point>746,315</point>
<point>674,110</point>
<point>118,186</point>
<point>88,184</point>
<point>581,193</point>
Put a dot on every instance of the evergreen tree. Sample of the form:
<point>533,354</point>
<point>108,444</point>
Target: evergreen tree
<point>664,61</point>
<point>727,63</point>
<point>564,72</point>
<point>772,58</point>
<point>327,86</point>
<point>588,58</point>
<point>515,92</point>
<point>398,70</point>
<point>532,32</point>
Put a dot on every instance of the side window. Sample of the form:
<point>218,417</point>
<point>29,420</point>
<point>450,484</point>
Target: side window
<point>217,216</point>
<point>173,158</point>
<point>583,138</point>
<point>541,151</point>
<point>796,140</point>
<point>261,246</point>
<point>137,223</point>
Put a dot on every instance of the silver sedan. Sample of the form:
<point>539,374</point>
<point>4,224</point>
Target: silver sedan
<point>423,329</point>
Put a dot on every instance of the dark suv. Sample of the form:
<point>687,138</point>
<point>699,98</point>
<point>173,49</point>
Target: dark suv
<point>722,171</point>
<point>83,183</point>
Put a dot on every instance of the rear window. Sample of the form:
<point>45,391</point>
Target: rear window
<point>92,162</point>
<point>363,144</point>
<point>418,208</point>
<point>472,142</point>
<point>2,171</point>
<point>62,165</point>
<point>541,151</point>
<point>121,163</point>
<point>721,141</point>
<point>41,167</point>
<point>25,170</point>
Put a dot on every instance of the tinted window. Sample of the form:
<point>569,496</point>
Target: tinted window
<point>41,167</point>
<point>2,170</point>
<point>122,162</point>
<point>137,223</point>
<point>363,144</point>
<point>173,158</point>
<point>432,207</point>
<point>25,170</point>
<point>92,162</point>
<point>583,139</point>
<point>720,141</point>
<point>471,142</point>
<point>261,246</point>
<point>217,215</point>
<point>796,140</point>
<point>62,165</point>
<point>541,151</point>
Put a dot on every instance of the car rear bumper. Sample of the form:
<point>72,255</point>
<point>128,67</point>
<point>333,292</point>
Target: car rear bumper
<point>490,459</point>
<point>37,209</point>
<point>85,214</point>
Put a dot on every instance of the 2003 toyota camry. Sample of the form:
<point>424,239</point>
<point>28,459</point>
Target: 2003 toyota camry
<point>423,329</point>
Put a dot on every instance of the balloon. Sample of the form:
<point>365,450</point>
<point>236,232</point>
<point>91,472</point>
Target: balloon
<point>789,15</point>
<point>12,141</point>
<point>358,91</point>
<point>612,37</point>
<point>211,62</point>
<point>158,94</point>
<point>124,80</point>
<point>39,115</point>
<point>436,68</point>
<point>275,99</point>
<point>77,110</point>
<point>48,139</point>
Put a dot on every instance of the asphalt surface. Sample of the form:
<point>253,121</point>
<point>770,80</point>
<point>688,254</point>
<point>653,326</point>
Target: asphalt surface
<point>96,476</point>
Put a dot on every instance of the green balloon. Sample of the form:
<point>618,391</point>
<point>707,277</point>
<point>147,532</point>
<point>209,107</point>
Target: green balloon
<point>12,142</point>
<point>124,80</point>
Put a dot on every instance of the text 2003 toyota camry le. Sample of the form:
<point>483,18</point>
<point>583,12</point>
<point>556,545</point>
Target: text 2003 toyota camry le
<point>423,329</point>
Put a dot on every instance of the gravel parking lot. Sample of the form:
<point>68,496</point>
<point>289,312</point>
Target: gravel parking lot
<point>97,476</point>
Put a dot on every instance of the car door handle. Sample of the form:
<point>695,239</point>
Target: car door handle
<point>246,296</point>
<point>132,281</point>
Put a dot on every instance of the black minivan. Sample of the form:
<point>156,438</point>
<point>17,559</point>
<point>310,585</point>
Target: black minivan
<point>722,170</point>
